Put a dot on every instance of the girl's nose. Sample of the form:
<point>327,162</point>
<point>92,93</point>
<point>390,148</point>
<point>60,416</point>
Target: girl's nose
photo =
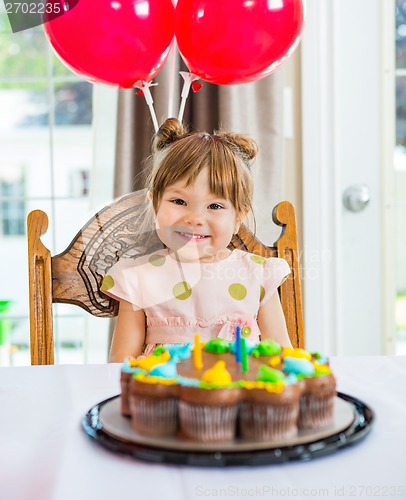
<point>194,218</point>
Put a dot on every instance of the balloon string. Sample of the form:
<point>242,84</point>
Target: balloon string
<point>188,78</point>
<point>144,87</point>
<point>185,93</point>
<point>172,71</point>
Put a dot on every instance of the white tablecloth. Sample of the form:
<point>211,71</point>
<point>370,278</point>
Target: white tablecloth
<point>44,454</point>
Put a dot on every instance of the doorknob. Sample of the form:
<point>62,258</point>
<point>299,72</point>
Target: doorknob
<point>356,197</point>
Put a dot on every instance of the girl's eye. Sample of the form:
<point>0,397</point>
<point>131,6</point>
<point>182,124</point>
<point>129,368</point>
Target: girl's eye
<point>178,201</point>
<point>215,206</point>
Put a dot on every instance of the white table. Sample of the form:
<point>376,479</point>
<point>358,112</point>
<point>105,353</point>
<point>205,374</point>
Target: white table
<point>44,454</point>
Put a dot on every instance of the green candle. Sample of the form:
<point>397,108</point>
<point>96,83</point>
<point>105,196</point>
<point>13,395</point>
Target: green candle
<point>244,356</point>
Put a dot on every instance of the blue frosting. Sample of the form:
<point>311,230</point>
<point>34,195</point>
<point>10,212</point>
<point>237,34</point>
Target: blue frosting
<point>164,370</point>
<point>179,351</point>
<point>299,366</point>
<point>127,368</point>
<point>249,344</point>
<point>290,379</point>
<point>322,360</point>
<point>188,382</point>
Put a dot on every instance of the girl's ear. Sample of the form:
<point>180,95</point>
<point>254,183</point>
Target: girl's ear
<point>238,221</point>
<point>149,195</point>
<point>237,225</point>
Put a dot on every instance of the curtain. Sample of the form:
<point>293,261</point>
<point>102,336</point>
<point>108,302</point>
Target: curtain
<point>254,109</point>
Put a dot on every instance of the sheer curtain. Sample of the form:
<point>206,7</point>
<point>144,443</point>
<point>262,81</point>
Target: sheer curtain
<point>254,109</point>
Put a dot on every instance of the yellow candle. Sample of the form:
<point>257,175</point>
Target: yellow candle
<point>197,353</point>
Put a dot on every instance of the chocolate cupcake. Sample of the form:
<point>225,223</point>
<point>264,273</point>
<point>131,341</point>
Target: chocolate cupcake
<point>319,390</point>
<point>270,407</point>
<point>208,411</point>
<point>317,402</point>
<point>127,371</point>
<point>153,401</point>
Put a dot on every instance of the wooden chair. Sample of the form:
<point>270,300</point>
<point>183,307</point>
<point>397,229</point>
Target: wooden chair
<point>75,275</point>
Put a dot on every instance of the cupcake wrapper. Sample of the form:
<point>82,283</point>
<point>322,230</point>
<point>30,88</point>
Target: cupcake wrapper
<point>208,423</point>
<point>153,416</point>
<point>267,422</point>
<point>315,412</point>
<point>125,404</point>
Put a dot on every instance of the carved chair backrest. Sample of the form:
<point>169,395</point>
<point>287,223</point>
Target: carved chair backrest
<point>75,275</point>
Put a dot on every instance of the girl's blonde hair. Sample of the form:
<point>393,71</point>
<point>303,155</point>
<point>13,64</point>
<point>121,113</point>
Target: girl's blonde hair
<point>178,154</point>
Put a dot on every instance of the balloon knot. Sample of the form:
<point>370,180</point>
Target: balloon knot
<point>196,86</point>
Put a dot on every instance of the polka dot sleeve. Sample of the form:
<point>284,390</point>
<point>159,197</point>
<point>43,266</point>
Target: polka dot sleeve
<point>121,282</point>
<point>275,273</point>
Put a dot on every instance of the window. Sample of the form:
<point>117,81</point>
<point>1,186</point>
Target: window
<point>12,207</point>
<point>48,155</point>
<point>400,173</point>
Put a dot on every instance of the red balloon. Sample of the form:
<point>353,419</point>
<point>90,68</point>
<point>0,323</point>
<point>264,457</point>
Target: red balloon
<point>237,41</point>
<point>116,42</point>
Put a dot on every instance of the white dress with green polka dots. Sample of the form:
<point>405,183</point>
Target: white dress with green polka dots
<point>183,298</point>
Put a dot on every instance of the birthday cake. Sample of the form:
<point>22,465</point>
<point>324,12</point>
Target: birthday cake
<point>219,391</point>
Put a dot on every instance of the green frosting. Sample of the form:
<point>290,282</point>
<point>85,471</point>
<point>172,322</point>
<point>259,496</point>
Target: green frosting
<point>217,345</point>
<point>268,374</point>
<point>316,355</point>
<point>266,348</point>
<point>232,385</point>
<point>158,350</point>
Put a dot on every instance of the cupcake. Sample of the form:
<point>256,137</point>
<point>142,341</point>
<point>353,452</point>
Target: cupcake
<point>208,408</point>
<point>270,406</point>
<point>128,369</point>
<point>153,401</point>
<point>319,390</point>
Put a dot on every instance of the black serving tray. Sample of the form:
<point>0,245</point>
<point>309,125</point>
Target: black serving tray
<point>360,426</point>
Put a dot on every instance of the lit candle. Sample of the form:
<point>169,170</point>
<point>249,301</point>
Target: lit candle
<point>197,353</point>
<point>244,355</point>
<point>238,344</point>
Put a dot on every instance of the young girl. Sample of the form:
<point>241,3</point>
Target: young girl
<point>201,191</point>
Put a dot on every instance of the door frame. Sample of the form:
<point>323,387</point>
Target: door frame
<point>322,183</point>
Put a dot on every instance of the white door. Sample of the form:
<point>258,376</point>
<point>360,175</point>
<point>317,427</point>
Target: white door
<point>348,115</point>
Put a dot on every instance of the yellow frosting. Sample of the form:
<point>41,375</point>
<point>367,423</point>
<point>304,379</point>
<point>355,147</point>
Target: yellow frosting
<point>150,361</point>
<point>275,361</point>
<point>321,369</point>
<point>275,388</point>
<point>149,379</point>
<point>297,352</point>
<point>217,375</point>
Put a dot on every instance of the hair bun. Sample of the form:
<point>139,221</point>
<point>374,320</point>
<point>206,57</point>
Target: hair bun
<point>247,147</point>
<point>170,131</point>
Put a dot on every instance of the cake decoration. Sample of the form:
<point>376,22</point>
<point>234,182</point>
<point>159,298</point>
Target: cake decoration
<point>197,353</point>
<point>217,345</point>
<point>146,378</point>
<point>244,356</point>
<point>275,361</point>
<point>150,361</point>
<point>299,366</point>
<point>267,374</point>
<point>270,393</point>
<point>248,343</point>
<point>180,351</point>
<point>165,370</point>
<point>218,375</point>
<point>267,348</point>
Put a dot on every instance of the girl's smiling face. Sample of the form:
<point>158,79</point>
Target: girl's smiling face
<point>194,222</point>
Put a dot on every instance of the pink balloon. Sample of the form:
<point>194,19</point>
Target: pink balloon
<point>237,41</point>
<point>116,42</point>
